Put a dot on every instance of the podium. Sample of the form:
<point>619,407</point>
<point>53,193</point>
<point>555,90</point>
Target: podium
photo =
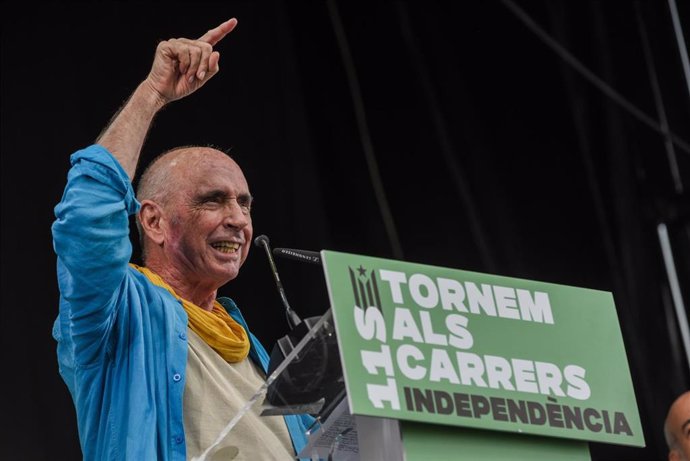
<point>417,362</point>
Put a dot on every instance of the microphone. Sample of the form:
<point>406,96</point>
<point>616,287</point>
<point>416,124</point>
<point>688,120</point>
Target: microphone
<point>313,379</point>
<point>292,317</point>
<point>299,255</point>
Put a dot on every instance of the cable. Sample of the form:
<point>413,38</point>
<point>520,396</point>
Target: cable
<point>681,41</point>
<point>360,115</point>
<point>674,285</point>
<point>658,101</point>
<point>444,139</point>
<point>593,78</point>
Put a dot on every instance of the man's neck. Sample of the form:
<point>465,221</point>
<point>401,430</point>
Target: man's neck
<point>201,294</point>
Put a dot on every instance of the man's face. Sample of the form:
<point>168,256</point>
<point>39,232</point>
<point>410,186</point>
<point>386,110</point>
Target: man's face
<point>210,226</point>
<point>679,425</point>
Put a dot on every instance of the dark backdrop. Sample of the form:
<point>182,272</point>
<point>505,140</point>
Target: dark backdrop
<point>494,154</point>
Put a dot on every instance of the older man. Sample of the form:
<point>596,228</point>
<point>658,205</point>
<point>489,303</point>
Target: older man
<point>156,365</point>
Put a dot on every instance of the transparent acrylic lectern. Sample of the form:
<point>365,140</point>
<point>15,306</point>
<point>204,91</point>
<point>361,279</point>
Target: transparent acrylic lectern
<point>305,377</point>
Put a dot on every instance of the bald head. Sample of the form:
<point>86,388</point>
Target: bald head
<point>677,428</point>
<point>160,178</point>
<point>174,172</point>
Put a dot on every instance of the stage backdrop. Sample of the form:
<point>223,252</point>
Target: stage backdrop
<point>442,133</point>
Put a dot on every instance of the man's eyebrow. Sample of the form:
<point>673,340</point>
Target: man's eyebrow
<point>219,194</point>
<point>212,194</point>
<point>247,198</point>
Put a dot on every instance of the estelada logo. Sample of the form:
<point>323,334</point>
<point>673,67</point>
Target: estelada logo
<point>365,288</point>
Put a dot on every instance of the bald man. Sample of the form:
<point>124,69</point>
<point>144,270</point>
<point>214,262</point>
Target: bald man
<point>677,428</point>
<point>156,364</point>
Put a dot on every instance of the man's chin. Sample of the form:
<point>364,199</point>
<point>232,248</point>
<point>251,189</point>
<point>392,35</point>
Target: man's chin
<point>220,272</point>
<point>225,275</point>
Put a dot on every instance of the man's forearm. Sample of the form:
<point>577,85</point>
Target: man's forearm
<point>180,67</point>
<point>126,133</point>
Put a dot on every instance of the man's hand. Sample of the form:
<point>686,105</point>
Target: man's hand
<point>182,66</point>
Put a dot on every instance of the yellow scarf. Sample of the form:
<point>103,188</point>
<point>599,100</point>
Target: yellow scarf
<point>217,328</point>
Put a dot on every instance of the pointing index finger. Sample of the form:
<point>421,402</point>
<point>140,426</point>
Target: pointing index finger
<point>215,35</point>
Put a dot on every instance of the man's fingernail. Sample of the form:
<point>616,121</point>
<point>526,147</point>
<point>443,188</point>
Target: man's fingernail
<point>191,78</point>
<point>202,74</point>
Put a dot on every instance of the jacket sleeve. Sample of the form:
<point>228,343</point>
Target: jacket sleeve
<point>91,240</point>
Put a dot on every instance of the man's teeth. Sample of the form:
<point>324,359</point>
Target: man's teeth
<point>226,247</point>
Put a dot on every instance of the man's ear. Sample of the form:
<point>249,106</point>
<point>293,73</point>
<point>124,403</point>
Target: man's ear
<point>151,220</point>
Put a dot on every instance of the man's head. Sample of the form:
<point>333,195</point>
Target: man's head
<point>195,217</point>
<point>677,429</point>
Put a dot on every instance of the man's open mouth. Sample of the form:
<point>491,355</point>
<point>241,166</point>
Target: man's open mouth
<point>226,247</point>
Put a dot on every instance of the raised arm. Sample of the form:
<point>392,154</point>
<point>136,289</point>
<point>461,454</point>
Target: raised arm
<point>91,229</point>
<point>180,67</point>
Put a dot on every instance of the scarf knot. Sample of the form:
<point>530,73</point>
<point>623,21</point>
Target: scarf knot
<point>220,331</point>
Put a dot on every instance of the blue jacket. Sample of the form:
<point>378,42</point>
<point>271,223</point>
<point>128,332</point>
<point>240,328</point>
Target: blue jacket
<point>121,341</point>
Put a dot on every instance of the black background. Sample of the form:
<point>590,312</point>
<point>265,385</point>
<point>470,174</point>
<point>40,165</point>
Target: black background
<point>494,155</point>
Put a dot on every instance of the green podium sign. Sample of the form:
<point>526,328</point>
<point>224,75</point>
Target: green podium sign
<point>436,345</point>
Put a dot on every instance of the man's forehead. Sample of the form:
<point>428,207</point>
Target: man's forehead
<point>681,410</point>
<point>225,179</point>
<point>201,163</point>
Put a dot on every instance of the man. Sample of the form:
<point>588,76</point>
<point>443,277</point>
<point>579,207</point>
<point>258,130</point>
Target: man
<point>677,428</point>
<point>156,365</point>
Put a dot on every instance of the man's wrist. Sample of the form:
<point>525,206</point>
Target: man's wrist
<point>149,96</point>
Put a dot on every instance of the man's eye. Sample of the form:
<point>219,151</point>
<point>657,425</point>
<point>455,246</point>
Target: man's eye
<point>215,198</point>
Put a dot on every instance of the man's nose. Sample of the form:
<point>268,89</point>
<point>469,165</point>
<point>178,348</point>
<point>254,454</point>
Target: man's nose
<point>236,215</point>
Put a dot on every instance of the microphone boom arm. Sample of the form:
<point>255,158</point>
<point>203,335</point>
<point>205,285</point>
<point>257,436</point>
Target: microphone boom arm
<point>292,317</point>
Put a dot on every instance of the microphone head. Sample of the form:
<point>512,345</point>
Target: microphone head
<point>261,240</point>
<point>299,255</point>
